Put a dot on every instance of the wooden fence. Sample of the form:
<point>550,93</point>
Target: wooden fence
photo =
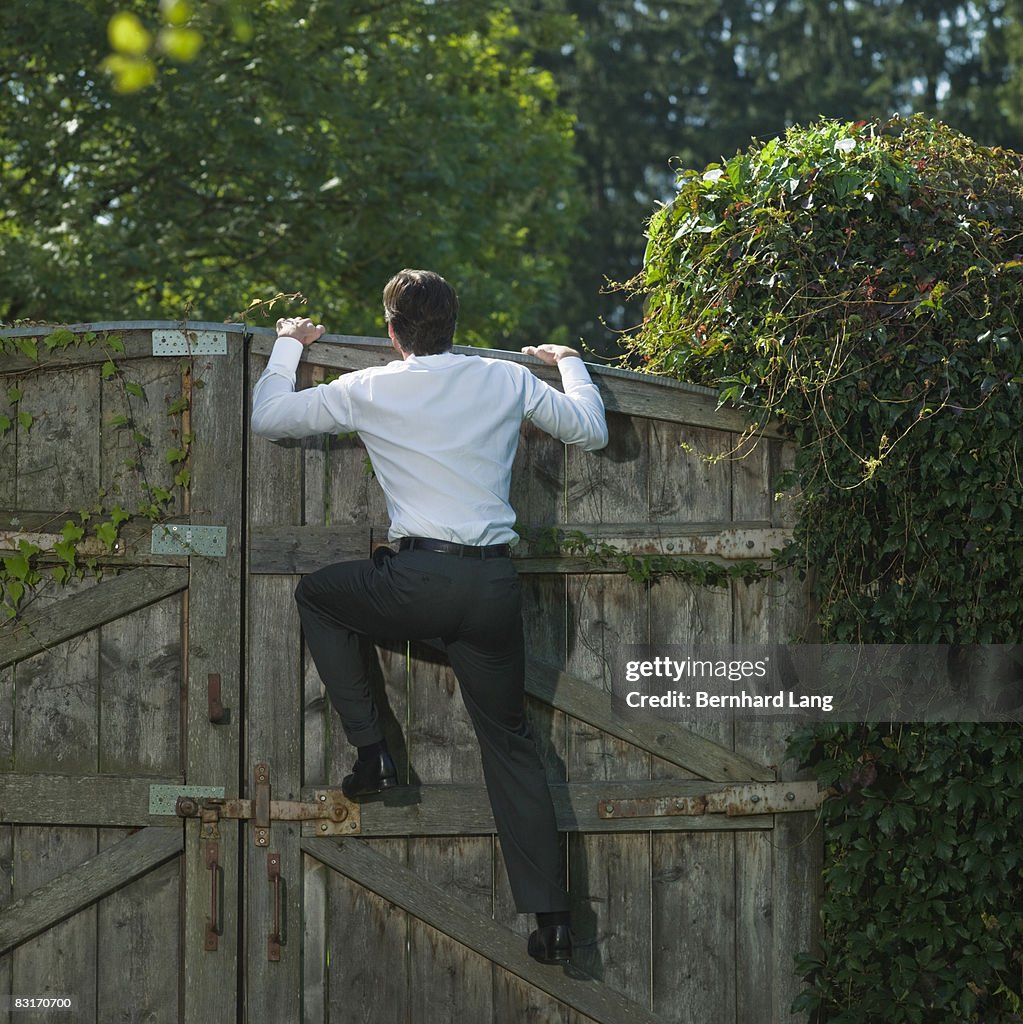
<point>172,840</point>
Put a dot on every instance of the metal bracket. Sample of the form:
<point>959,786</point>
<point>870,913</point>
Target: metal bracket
<point>189,343</point>
<point>748,798</point>
<point>186,539</point>
<point>329,814</point>
<point>163,799</point>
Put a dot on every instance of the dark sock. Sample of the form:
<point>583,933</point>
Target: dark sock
<point>552,917</point>
<point>372,751</point>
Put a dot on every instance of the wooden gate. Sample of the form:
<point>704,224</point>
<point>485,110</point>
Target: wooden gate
<point>169,816</point>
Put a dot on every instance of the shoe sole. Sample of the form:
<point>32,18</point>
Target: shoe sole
<point>384,784</point>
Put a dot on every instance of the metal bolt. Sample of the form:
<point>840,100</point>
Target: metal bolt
<point>323,798</point>
<point>750,545</point>
<point>790,796</point>
<point>680,803</point>
<point>754,799</point>
<point>323,827</point>
<point>609,808</point>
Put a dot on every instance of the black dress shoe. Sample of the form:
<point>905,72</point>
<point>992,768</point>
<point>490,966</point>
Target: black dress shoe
<point>370,777</point>
<point>551,945</point>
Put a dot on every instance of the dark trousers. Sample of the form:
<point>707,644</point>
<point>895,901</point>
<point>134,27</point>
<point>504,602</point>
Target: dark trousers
<point>474,607</point>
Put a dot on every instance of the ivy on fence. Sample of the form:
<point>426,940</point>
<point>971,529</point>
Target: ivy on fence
<point>860,283</point>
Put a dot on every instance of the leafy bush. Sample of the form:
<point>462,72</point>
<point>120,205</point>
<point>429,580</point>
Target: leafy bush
<point>861,283</point>
<point>921,920</point>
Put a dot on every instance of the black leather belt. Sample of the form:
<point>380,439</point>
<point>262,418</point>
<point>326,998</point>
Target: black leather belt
<point>446,547</point>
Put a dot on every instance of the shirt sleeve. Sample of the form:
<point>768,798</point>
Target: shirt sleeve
<point>278,411</point>
<point>575,417</point>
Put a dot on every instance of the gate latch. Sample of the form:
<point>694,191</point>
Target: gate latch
<point>329,813</point>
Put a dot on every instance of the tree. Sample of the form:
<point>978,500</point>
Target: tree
<point>660,84</point>
<point>343,142</point>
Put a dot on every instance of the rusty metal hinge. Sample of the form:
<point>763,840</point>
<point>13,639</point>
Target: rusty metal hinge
<point>329,813</point>
<point>746,798</point>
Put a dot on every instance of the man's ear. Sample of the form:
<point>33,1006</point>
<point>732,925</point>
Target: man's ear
<point>396,345</point>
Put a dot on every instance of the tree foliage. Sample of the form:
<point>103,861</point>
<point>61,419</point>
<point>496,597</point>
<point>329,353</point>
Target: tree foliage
<point>661,85</point>
<point>344,141</point>
<point>861,282</point>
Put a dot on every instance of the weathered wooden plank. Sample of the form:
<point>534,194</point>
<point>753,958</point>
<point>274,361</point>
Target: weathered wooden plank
<point>6,718</point>
<point>135,336</point>
<point>141,665</point>
<point>56,713</point>
<point>139,955</point>
<point>273,735</point>
<point>6,895</point>
<point>133,545</point>
<point>130,468</point>
<point>60,960</point>
<point>693,478</point>
<point>778,883</point>
<point>214,632</point>
<point>665,739</point>
<point>77,887</point>
<point>446,980</point>
<point>302,549</point>
<point>365,961</point>
<point>608,870</point>
<point>693,901</point>
<point>40,798</point>
<point>538,478</point>
<point>95,606</point>
<point>430,904</point>
<point>58,456</point>
<point>8,459</point>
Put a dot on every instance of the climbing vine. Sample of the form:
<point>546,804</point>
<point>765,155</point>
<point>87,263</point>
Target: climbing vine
<point>860,285</point>
<point>104,518</point>
<point>552,541</point>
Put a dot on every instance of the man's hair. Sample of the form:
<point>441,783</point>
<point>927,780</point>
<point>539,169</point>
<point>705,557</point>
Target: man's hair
<point>422,309</point>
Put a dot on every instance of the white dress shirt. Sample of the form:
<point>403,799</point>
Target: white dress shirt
<point>441,431</point>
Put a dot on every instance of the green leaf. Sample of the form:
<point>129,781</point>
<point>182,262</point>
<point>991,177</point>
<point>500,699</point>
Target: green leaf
<point>72,532</point>
<point>134,389</point>
<point>25,419</point>
<point>182,44</point>
<point>59,338</point>
<point>130,73</point>
<point>107,532</point>
<point>128,35</point>
<point>14,590</point>
<point>17,566</point>
<point>114,343</point>
<point>108,369</point>
<point>14,395</point>
<point>5,423</point>
<point>28,347</point>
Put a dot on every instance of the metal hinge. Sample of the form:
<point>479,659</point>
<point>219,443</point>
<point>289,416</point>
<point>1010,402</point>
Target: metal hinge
<point>189,343</point>
<point>329,813</point>
<point>748,798</point>
<point>186,539</point>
